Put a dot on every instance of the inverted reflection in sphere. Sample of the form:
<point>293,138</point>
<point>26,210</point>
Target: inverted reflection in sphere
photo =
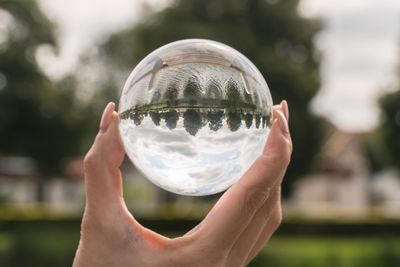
<point>195,114</point>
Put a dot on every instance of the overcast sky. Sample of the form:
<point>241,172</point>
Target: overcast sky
<point>360,46</point>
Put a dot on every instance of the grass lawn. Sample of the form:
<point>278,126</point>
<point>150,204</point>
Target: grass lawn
<point>53,243</point>
<point>326,252</point>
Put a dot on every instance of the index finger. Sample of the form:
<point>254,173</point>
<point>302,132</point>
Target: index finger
<point>103,181</point>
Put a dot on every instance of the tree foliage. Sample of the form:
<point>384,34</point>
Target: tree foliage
<point>171,95</point>
<point>192,89</point>
<point>38,118</point>
<point>390,131</point>
<point>383,144</point>
<point>192,121</point>
<point>270,33</point>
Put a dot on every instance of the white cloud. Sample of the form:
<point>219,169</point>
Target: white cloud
<point>176,160</point>
<point>84,22</point>
<point>360,46</point>
<point>323,8</point>
<point>86,19</point>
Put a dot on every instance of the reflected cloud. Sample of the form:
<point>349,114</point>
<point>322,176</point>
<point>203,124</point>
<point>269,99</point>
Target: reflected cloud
<point>181,161</point>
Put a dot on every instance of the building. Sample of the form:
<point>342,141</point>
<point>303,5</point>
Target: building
<point>339,183</point>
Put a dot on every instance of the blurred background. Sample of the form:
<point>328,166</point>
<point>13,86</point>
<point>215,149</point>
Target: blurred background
<point>336,62</point>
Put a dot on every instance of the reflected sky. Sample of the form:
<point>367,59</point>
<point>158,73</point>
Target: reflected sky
<point>201,164</point>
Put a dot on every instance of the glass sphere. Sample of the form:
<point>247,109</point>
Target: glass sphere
<point>195,114</point>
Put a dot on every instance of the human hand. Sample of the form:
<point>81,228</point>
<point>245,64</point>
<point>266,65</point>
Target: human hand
<point>231,235</point>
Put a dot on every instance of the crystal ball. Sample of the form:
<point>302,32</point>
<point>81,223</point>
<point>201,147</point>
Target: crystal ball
<point>194,115</point>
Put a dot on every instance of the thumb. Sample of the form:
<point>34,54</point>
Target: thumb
<point>268,170</point>
<point>103,181</point>
<point>236,208</point>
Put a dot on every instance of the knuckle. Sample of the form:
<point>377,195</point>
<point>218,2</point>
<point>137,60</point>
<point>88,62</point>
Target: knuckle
<point>290,147</point>
<point>286,154</point>
<point>276,219</point>
<point>90,159</point>
<point>279,158</point>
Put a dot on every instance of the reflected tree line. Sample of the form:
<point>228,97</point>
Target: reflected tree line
<point>195,119</point>
<point>200,107</point>
<point>231,94</point>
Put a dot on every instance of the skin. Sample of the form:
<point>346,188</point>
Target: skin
<point>232,234</point>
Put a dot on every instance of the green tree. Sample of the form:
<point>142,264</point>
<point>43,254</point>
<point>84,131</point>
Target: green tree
<point>390,131</point>
<point>192,121</point>
<point>38,118</point>
<point>383,144</point>
<point>171,119</point>
<point>155,117</point>
<point>258,120</point>
<point>215,119</point>
<point>232,92</point>
<point>192,89</point>
<point>137,117</point>
<point>248,118</point>
<point>234,121</point>
<point>270,33</point>
<point>212,90</point>
<point>171,94</point>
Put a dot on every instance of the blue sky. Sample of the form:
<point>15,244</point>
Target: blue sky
<point>360,46</point>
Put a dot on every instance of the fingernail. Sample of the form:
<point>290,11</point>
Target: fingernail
<point>285,109</point>
<point>283,124</point>
<point>106,117</point>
